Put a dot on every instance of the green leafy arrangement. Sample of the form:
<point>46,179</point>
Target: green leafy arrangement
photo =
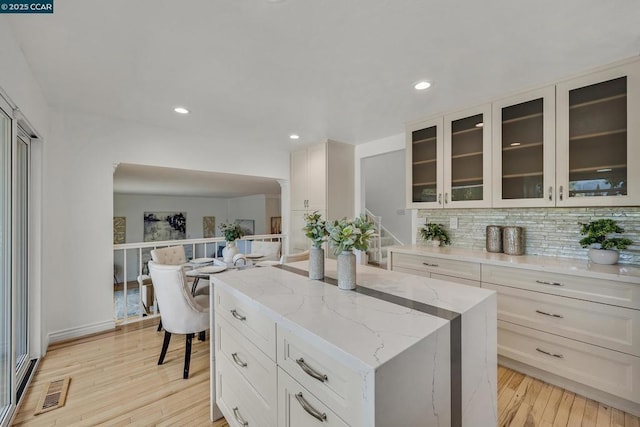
<point>433,231</point>
<point>596,233</point>
<point>231,232</point>
<point>315,228</point>
<point>347,235</point>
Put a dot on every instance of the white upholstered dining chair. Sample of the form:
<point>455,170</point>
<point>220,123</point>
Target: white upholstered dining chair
<point>175,255</point>
<point>270,250</point>
<point>181,312</point>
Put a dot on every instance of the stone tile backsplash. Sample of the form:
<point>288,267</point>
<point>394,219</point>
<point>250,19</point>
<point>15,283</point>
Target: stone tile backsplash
<point>548,231</point>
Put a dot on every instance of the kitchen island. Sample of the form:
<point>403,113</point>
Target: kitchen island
<point>400,350</point>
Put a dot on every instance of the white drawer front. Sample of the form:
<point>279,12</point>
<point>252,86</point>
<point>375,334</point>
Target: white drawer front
<point>342,388</point>
<point>252,364</point>
<point>606,370</point>
<point>238,401</point>
<point>611,327</point>
<point>448,267</point>
<point>453,279</point>
<point>257,327</point>
<point>300,408</point>
<point>606,291</point>
<point>410,271</point>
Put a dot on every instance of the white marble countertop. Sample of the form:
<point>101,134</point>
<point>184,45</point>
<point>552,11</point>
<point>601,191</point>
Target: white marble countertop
<point>362,328</point>
<point>619,272</point>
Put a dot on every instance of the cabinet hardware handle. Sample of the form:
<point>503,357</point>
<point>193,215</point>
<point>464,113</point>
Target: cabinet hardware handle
<point>550,314</point>
<point>561,193</point>
<point>310,371</point>
<point>321,416</point>
<point>543,282</point>
<point>439,198</point>
<point>241,420</point>
<point>430,265</point>
<point>238,361</point>
<point>237,315</point>
<point>446,198</point>
<point>550,194</point>
<point>559,356</point>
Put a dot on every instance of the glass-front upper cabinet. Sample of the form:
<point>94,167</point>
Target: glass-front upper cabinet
<point>424,165</point>
<point>598,138</point>
<point>467,158</point>
<point>524,149</point>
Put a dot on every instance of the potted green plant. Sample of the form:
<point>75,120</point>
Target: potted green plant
<point>435,233</point>
<point>316,230</point>
<point>231,233</point>
<point>604,249</point>
<point>345,236</point>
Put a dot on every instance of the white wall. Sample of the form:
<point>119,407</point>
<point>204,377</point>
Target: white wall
<point>250,207</point>
<point>384,182</point>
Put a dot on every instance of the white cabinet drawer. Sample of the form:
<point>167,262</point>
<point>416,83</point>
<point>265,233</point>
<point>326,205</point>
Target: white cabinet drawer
<point>328,379</point>
<point>252,364</point>
<point>607,370</point>
<point>300,408</point>
<point>599,290</point>
<point>448,267</point>
<point>248,319</point>
<point>453,279</point>
<point>239,401</point>
<point>611,327</point>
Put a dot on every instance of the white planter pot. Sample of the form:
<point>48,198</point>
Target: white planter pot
<point>316,263</point>
<point>604,256</point>
<point>347,271</point>
<point>434,243</point>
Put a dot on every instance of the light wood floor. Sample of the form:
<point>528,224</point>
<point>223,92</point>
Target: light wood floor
<point>115,380</point>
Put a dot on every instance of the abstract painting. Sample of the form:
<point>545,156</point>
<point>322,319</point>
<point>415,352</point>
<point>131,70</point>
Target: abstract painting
<point>248,226</point>
<point>161,226</point>
<point>276,224</point>
<point>119,229</point>
<point>208,226</point>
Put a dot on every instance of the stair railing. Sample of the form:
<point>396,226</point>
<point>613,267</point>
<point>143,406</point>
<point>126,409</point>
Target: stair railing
<point>375,248</point>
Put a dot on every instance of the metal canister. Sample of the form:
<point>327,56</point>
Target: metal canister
<point>513,240</point>
<point>494,238</point>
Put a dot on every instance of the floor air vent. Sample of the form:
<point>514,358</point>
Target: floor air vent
<point>54,396</point>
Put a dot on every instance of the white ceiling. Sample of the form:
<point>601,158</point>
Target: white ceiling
<point>254,71</point>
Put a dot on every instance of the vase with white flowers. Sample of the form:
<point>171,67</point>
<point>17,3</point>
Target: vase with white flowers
<point>345,236</point>
<point>231,232</point>
<point>315,229</point>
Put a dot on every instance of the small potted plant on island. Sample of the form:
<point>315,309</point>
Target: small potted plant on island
<point>345,236</point>
<point>435,233</point>
<point>231,233</point>
<point>604,250</point>
<point>315,230</point>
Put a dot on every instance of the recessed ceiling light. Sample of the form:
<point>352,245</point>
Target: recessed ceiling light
<point>479,125</point>
<point>181,110</point>
<point>421,85</point>
<point>294,136</point>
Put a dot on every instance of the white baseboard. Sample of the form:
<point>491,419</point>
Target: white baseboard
<point>80,331</point>
<point>581,389</point>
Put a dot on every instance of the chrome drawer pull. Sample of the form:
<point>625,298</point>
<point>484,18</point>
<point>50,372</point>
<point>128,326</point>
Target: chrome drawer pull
<point>321,416</point>
<point>550,314</point>
<point>237,315</point>
<point>430,265</point>
<point>550,194</point>
<point>310,371</point>
<point>238,361</point>
<point>241,420</point>
<point>439,198</point>
<point>559,356</point>
<point>543,282</point>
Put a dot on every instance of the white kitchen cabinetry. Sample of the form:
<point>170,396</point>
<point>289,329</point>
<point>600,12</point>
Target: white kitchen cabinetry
<point>449,160</point>
<point>524,150</point>
<point>598,138</point>
<point>321,180</point>
<point>465,273</point>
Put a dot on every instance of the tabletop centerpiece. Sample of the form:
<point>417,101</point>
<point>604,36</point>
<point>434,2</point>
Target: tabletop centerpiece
<point>604,249</point>
<point>315,229</point>
<point>231,233</point>
<point>435,233</point>
<point>345,236</point>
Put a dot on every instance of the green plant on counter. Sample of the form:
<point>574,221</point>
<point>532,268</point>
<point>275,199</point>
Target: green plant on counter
<point>347,235</point>
<point>315,228</point>
<point>433,231</point>
<point>596,233</point>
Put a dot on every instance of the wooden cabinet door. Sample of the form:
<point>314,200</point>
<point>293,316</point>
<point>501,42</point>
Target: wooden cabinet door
<point>467,158</point>
<point>424,164</point>
<point>598,138</point>
<point>524,150</point>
